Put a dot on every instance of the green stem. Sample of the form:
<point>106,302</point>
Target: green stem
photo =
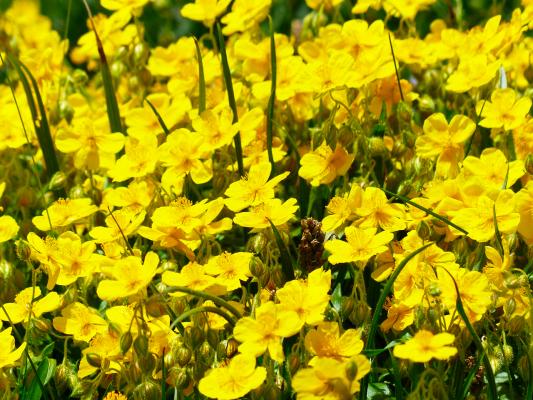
<point>202,309</point>
<point>215,299</point>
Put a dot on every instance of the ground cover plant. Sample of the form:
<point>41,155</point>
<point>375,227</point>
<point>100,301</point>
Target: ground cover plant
<point>266,199</point>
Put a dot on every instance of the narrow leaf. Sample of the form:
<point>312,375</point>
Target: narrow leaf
<point>201,79</point>
<point>272,99</point>
<point>396,68</point>
<point>286,263</point>
<point>113,112</point>
<point>426,210</point>
<point>38,112</point>
<point>379,307</point>
<point>43,374</point>
<point>231,97</point>
<point>492,392</point>
<point>159,118</point>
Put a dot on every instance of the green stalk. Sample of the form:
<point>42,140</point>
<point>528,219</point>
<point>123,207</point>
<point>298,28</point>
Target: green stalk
<point>202,309</point>
<point>492,392</point>
<point>38,112</point>
<point>113,112</point>
<point>396,68</point>
<point>201,79</point>
<point>231,97</point>
<point>159,118</point>
<point>379,307</point>
<point>286,263</point>
<point>272,99</point>
<point>215,299</point>
<point>426,210</point>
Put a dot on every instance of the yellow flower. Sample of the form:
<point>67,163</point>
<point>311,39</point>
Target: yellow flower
<point>424,346</point>
<point>233,381</point>
<point>524,206</point>
<point>253,189</point>
<point>273,210</point>
<point>399,317</point>
<point>473,72</point>
<point>123,4</point>
<point>326,342</point>
<point>130,277</point>
<point>19,311</point>
<point>406,8</point>
<point>474,290</point>
<point>140,159</point>
<point>8,228</point>
<point>360,246</point>
<point>323,165</point>
<point>183,153</point>
<point>74,258</point>
<point>244,15</point>
<point>216,128</point>
<point>266,330</point>
<point>107,346</point>
<point>115,396</point>
<point>376,211</point>
<point>230,269</point>
<point>137,195</point>
<point>491,169</point>
<point>328,378</point>
<point>93,147</point>
<point>206,11</point>
<point>326,4</point>
<point>193,276</point>
<point>479,220</point>
<point>8,355</point>
<point>445,141</point>
<point>504,110</point>
<point>123,222</point>
<point>64,212</point>
<point>80,321</point>
<point>342,209</point>
<point>308,299</point>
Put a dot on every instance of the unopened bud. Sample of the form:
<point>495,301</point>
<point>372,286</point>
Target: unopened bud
<point>194,337</point>
<point>126,341</point>
<point>257,268</point>
<point>377,147</point>
<point>231,348</point>
<point>94,360</point>
<point>351,370</point>
<point>183,356</point>
<point>423,230</point>
<point>140,345</point>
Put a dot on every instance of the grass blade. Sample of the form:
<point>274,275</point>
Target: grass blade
<point>159,118</point>
<point>38,112</point>
<point>231,97</point>
<point>396,68</point>
<point>113,112</point>
<point>201,79</point>
<point>492,392</point>
<point>272,99</point>
<point>286,263</point>
<point>379,307</point>
<point>43,374</point>
<point>426,210</point>
<point>497,231</point>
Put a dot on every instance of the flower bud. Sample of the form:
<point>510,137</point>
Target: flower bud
<point>183,356</point>
<point>426,104</point>
<point>232,347</point>
<point>423,230</point>
<point>508,353</point>
<point>528,164</point>
<point>523,368</point>
<point>377,148</point>
<point>509,306</point>
<point>148,363</point>
<point>405,112</point>
<point>213,338</point>
<point>80,77</point>
<point>194,337</point>
<point>257,268</point>
<point>351,370</point>
<point>347,306</point>
<point>179,377</point>
<point>94,360</point>
<point>277,276</point>
<point>148,390</point>
<point>140,345</point>
<point>42,325</point>
<point>293,363</point>
<point>126,341</point>
<point>23,250</point>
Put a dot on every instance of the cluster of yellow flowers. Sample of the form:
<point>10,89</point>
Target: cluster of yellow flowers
<point>269,213</point>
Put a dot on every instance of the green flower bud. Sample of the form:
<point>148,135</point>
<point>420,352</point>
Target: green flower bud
<point>140,345</point>
<point>126,341</point>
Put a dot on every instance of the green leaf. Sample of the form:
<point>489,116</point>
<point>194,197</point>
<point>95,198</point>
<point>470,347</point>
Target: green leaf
<point>286,263</point>
<point>231,97</point>
<point>379,307</point>
<point>158,116</point>
<point>272,99</point>
<point>201,79</point>
<point>38,112</point>
<point>113,113</point>
<point>43,375</point>
<point>396,68</point>
<point>426,210</point>
<point>492,392</point>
